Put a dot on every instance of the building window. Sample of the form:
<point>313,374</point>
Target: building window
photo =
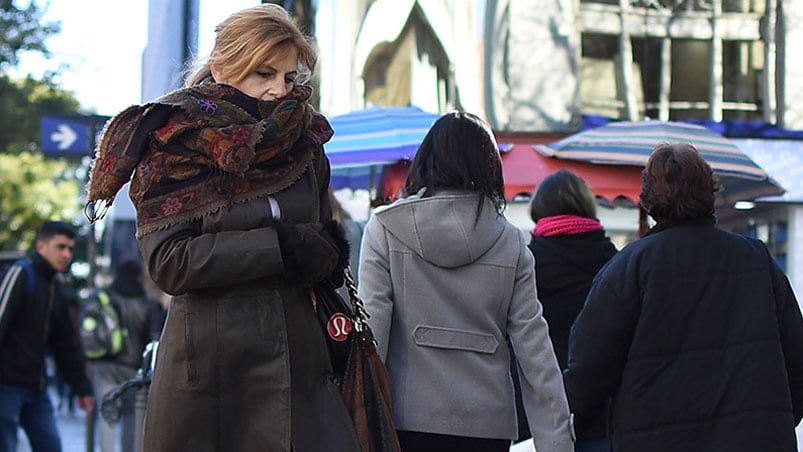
<point>674,59</point>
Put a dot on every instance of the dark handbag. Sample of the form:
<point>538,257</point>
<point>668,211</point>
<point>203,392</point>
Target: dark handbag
<point>335,315</point>
<point>365,385</point>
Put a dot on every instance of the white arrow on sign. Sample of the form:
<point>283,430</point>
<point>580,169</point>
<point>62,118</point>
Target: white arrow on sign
<point>64,136</point>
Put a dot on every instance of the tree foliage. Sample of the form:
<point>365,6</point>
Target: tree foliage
<point>21,30</point>
<point>34,190</point>
<point>22,105</point>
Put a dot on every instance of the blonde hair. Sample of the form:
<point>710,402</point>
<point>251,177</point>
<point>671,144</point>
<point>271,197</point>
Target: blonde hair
<point>249,37</point>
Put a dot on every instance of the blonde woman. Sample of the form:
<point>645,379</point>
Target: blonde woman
<point>233,219</point>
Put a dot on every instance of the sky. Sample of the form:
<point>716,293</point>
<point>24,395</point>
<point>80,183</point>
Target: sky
<point>98,53</point>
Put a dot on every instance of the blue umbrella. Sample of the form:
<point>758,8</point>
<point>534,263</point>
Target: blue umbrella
<point>355,177</point>
<point>371,138</point>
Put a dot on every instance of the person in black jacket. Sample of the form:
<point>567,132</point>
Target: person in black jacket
<point>693,330</point>
<point>570,246</point>
<point>32,323</point>
<point>142,320</point>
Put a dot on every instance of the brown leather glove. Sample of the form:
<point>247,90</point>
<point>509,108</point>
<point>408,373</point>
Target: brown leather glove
<point>311,251</point>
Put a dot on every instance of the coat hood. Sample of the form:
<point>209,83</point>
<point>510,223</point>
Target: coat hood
<point>444,229</point>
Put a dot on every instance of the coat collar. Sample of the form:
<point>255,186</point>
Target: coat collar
<point>667,224</point>
<point>41,265</point>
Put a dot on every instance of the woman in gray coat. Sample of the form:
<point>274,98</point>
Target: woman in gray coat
<point>230,186</point>
<point>445,278</point>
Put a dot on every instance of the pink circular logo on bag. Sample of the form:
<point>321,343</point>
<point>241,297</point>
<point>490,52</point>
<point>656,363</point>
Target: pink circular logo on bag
<point>339,327</point>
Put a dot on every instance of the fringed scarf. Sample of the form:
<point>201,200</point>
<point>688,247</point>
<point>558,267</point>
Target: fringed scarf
<point>565,224</point>
<point>199,149</point>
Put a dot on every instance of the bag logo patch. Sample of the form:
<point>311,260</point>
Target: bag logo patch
<point>339,327</point>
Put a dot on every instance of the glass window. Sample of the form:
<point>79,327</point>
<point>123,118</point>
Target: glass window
<point>672,75</point>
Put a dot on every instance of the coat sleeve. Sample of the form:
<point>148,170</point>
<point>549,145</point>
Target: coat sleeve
<point>790,325</point>
<point>181,258</point>
<point>375,287</point>
<point>541,383</point>
<point>599,342</point>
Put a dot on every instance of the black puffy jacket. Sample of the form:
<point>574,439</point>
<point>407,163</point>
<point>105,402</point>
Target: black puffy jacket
<point>699,338</point>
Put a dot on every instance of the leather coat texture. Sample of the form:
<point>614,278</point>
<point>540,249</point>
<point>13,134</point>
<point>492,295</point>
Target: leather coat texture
<point>242,364</point>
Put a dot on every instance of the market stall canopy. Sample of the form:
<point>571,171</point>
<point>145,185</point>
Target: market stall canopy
<point>523,168</point>
<point>631,143</point>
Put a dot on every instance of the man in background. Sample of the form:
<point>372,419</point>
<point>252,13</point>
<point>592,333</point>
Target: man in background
<point>35,319</point>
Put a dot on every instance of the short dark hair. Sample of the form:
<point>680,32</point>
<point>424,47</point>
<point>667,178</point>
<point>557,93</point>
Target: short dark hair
<point>678,183</point>
<point>563,193</point>
<point>459,152</point>
<point>53,228</point>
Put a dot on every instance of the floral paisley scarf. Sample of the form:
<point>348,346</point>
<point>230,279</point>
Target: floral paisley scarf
<point>199,149</point>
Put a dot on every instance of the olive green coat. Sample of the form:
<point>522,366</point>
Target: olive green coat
<point>242,364</point>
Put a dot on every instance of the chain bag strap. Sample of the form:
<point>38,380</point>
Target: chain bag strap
<point>360,314</point>
<point>366,383</point>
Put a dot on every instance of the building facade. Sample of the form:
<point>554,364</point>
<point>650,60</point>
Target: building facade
<point>540,65</point>
<point>537,65</point>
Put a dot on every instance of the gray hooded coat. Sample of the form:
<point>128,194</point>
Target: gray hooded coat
<point>443,292</point>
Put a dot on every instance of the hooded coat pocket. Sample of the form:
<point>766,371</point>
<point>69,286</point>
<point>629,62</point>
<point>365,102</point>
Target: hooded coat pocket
<point>453,339</point>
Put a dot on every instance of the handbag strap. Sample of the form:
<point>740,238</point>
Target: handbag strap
<point>360,314</point>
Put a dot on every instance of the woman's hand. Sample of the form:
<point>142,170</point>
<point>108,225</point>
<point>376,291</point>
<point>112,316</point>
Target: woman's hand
<point>311,252</point>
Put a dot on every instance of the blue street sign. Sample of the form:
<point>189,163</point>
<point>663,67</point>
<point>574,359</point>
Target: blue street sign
<point>70,135</point>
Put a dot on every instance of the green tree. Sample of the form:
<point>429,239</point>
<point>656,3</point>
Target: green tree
<point>34,190</point>
<point>22,105</point>
<point>22,30</point>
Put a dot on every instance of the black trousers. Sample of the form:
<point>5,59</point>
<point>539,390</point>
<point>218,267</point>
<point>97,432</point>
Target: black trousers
<point>433,442</point>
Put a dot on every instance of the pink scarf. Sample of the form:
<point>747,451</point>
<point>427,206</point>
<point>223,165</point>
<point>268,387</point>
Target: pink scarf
<point>565,224</point>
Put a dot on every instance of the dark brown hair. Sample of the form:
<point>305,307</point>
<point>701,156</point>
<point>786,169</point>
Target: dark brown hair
<point>459,152</point>
<point>678,183</point>
<point>563,193</point>
<point>51,229</point>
